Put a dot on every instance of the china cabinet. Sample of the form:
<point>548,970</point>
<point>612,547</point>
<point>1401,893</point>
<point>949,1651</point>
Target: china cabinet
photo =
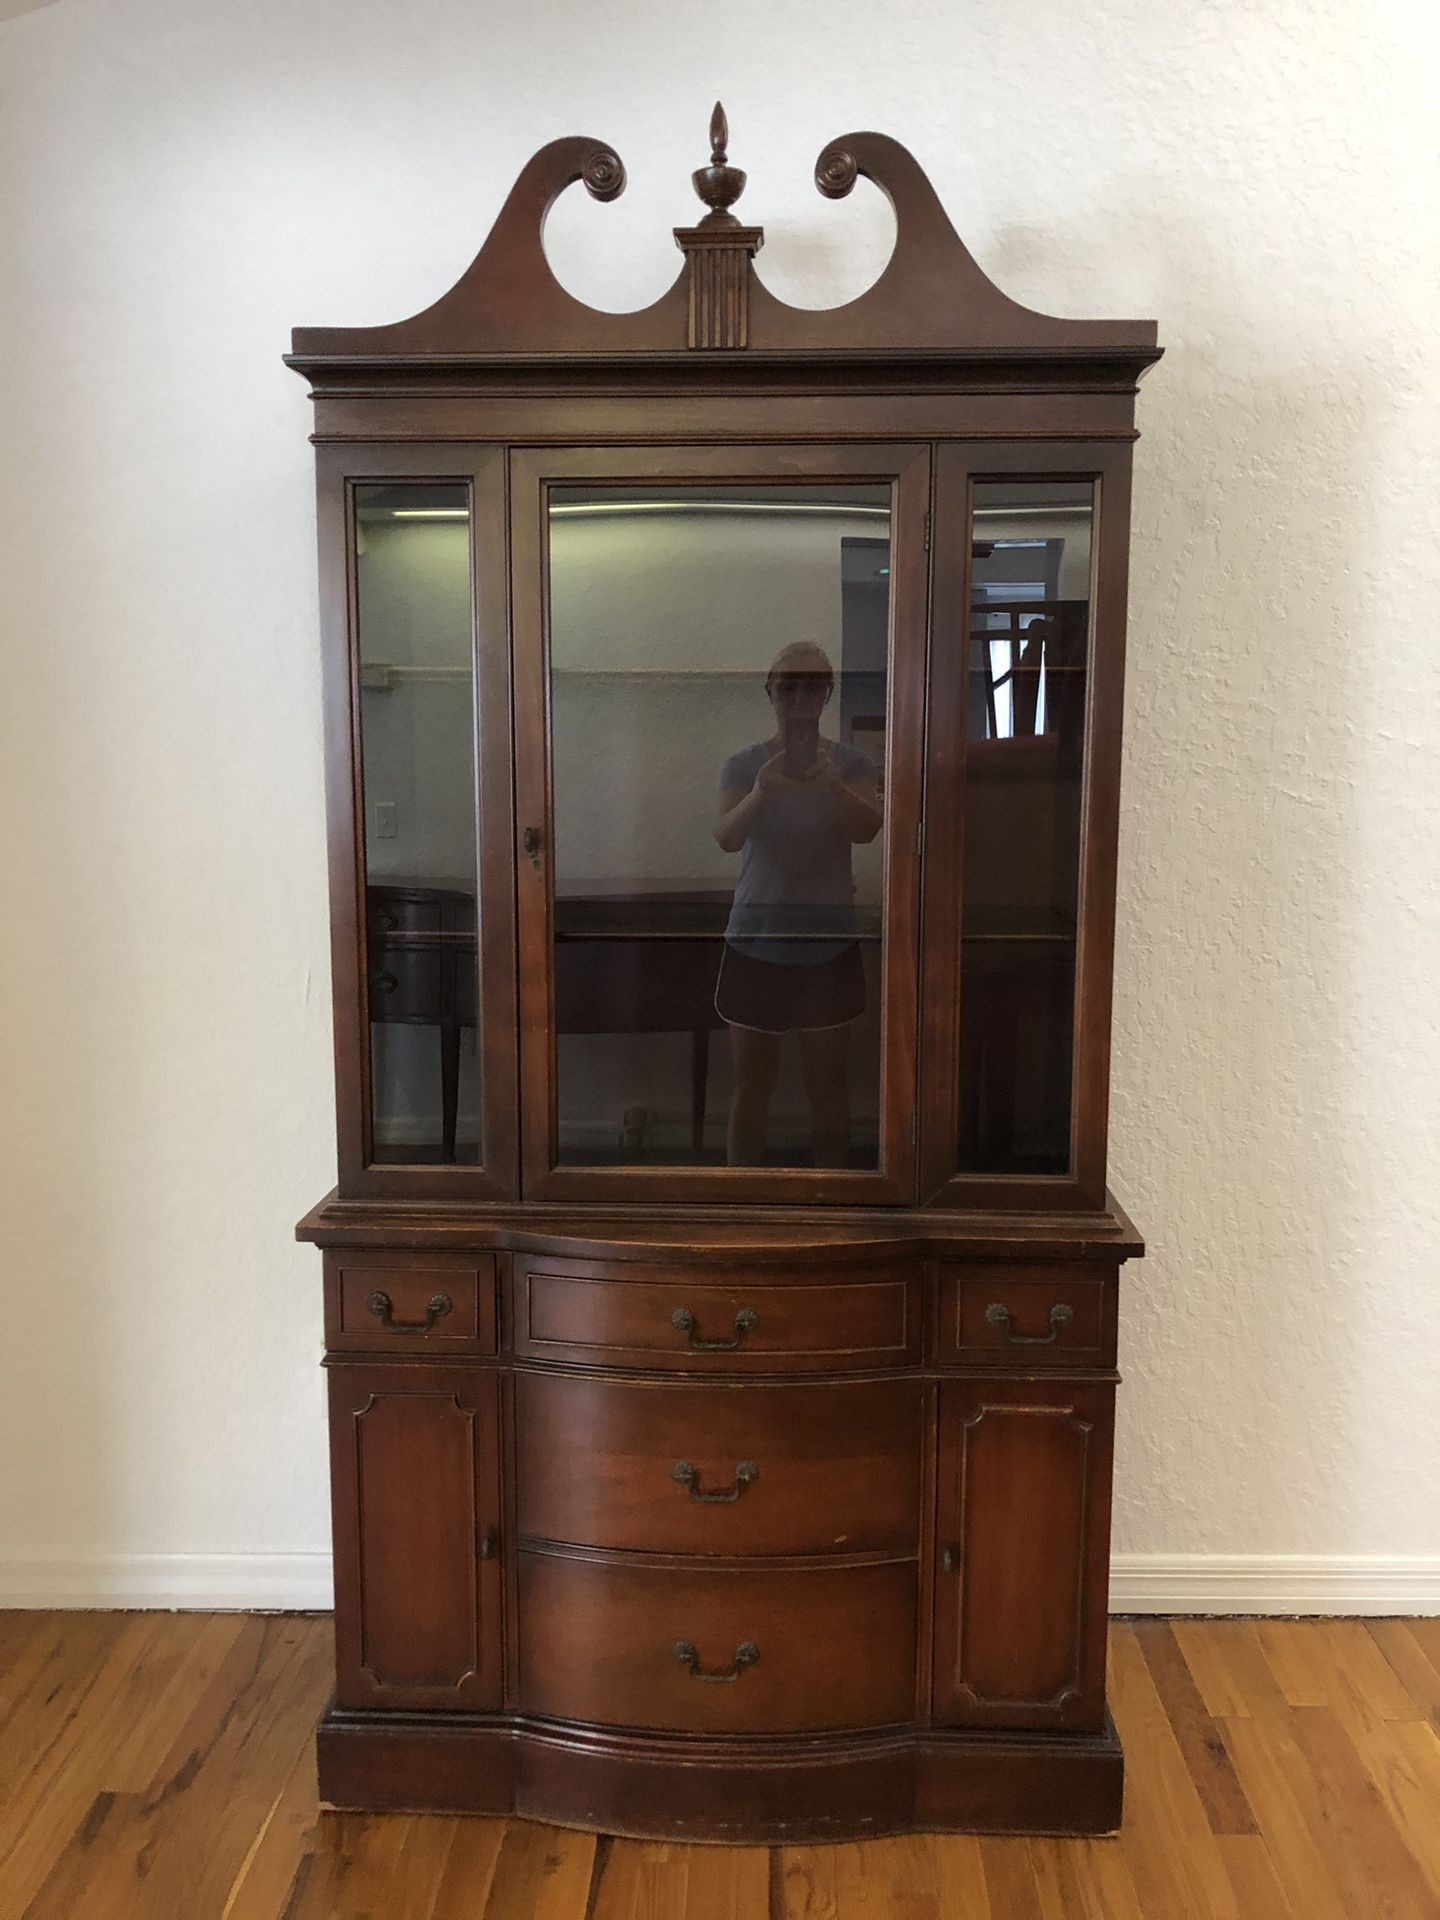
<point>723,736</point>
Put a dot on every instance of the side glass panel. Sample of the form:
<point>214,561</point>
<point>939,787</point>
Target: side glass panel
<point>719,673</point>
<point>417,728</point>
<point>1028,660</point>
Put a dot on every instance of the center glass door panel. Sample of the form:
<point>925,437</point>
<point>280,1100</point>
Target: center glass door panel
<point>721,662</point>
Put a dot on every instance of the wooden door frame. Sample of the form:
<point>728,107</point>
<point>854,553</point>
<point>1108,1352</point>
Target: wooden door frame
<point>906,467</point>
<point>339,471</point>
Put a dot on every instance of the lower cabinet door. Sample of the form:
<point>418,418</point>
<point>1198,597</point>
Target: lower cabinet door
<point>415,1484</point>
<point>1022,1547</point>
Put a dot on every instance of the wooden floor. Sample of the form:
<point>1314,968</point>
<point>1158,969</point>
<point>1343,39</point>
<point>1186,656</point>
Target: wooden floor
<point>158,1766</point>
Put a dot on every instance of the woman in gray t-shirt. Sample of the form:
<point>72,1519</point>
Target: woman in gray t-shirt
<point>792,807</point>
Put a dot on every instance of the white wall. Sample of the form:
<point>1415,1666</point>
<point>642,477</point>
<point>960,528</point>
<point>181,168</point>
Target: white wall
<point>179,184</point>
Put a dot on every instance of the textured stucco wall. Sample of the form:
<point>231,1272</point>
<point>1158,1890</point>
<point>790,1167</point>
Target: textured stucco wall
<point>179,184</point>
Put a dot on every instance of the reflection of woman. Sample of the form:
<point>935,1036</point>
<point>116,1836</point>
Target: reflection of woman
<point>792,807</point>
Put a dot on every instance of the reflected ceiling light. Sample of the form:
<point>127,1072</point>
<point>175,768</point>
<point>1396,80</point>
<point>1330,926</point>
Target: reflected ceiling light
<point>585,508</point>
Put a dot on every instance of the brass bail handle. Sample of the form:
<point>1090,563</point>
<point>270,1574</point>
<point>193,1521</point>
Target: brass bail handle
<point>998,1316</point>
<point>746,1654</point>
<point>380,1305</point>
<point>746,1474</point>
<point>684,1321</point>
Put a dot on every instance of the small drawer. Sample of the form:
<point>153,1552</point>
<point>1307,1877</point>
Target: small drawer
<point>630,1314</point>
<point>1023,1318</point>
<point>700,1467</point>
<point>716,1649</point>
<point>409,1303</point>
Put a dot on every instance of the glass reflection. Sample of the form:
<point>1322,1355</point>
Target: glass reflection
<point>417,723</point>
<point>719,668</point>
<point>792,806</point>
<point>1029,642</point>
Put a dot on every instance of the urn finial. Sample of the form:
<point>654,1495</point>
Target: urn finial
<point>719,185</point>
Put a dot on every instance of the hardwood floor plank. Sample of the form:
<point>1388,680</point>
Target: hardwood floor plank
<point>1258,1892</point>
<point>266,1876</point>
<point>1354,1675</point>
<point>1010,1879</point>
<point>1213,1679</point>
<point>73,1882</point>
<point>175,1669</point>
<point>894,1877</point>
<point>58,1668</point>
<point>727,1883</point>
<point>1168,1843</point>
<point>390,1864</point>
<point>184,1839</point>
<point>1085,1878</point>
<point>67,1731</point>
<point>348,1850</point>
<point>32,1640</point>
<point>470,1862</point>
<point>1280,1788</point>
<point>1230,1668</point>
<point>1417,1671</point>
<point>25,1656</point>
<point>1058,1892</point>
<point>1368,1860</point>
<point>1426,1633</point>
<point>960,1876</point>
<point>543,1873</point>
<point>1196,1733</point>
<point>807,1884</point>
<point>1402,1757</point>
<point>643,1881</point>
<point>1283,1644</point>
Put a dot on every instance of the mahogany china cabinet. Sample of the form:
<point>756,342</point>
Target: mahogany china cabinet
<point>723,735</point>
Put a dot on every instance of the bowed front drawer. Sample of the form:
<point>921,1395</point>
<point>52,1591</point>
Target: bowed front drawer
<point>716,1649</point>
<point>705,1467</point>
<point>638,1314</point>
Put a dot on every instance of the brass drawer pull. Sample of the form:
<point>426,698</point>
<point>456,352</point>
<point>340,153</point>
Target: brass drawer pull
<point>746,1654</point>
<point>379,1305</point>
<point>998,1316</point>
<point>383,982</point>
<point>746,1474</point>
<point>683,1321</point>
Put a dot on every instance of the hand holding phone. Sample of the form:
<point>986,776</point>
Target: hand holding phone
<point>802,747</point>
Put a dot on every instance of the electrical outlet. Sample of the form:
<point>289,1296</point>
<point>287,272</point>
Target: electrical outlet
<point>387,821</point>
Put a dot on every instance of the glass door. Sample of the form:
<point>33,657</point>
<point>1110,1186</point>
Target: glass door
<point>1022,778</point>
<point>417,666</point>
<point>719,683</point>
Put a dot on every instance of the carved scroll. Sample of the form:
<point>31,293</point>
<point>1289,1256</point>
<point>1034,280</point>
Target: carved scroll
<point>932,298</point>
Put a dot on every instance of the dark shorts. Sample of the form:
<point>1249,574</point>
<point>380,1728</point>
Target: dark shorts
<point>774,997</point>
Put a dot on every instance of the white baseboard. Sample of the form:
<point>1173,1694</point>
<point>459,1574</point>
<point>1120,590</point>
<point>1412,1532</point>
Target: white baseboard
<point>204,1582</point>
<point>1275,1583</point>
<point>1139,1583</point>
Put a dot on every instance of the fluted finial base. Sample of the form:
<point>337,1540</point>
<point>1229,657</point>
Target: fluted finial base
<point>719,259</point>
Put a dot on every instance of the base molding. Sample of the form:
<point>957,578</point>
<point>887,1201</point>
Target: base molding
<point>771,1792</point>
<point>1199,1583</point>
